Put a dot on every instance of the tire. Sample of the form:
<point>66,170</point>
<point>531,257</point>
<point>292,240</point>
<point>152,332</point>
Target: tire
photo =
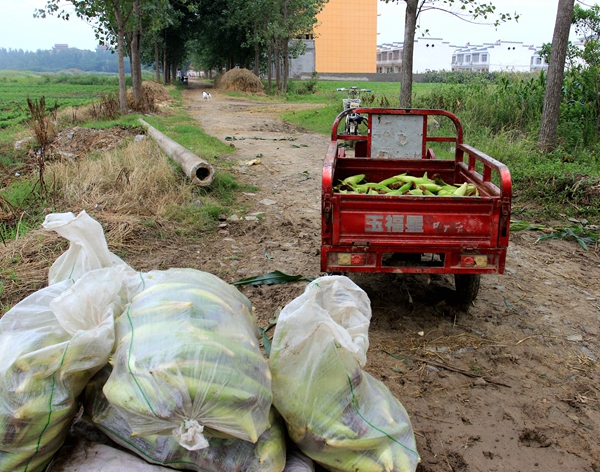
<point>467,287</point>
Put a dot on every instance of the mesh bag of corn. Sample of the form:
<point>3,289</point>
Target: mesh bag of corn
<point>187,361</point>
<point>338,415</point>
<point>51,344</point>
<point>268,454</point>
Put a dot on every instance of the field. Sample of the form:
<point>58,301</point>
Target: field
<point>66,91</point>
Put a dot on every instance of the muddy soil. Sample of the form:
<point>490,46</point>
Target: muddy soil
<point>512,384</point>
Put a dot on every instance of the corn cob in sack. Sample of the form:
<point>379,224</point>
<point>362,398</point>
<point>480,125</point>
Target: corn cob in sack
<point>51,343</point>
<point>187,361</point>
<point>338,415</point>
<point>222,454</point>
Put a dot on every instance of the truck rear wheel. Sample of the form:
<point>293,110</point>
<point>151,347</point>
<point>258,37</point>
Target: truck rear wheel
<point>467,286</point>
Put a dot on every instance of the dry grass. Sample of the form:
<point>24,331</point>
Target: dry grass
<point>239,80</point>
<point>74,115</point>
<point>155,96</point>
<point>122,189</point>
<point>136,179</point>
<point>42,120</point>
<point>25,263</point>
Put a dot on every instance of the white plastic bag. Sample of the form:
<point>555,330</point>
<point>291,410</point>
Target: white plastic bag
<point>87,456</point>
<point>187,361</point>
<point>88,249</point>
<point>222,454</point>
<point>51,343</point>
<point>338,415</point>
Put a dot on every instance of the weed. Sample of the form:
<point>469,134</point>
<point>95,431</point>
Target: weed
<point>107,108</point>
<point>43,124</point>
<point>193,219</point>
<point>150,223</point>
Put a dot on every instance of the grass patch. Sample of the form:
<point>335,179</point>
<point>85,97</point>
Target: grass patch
<point>185,130</point>
<point>13,109</point>
<point>318,120</point>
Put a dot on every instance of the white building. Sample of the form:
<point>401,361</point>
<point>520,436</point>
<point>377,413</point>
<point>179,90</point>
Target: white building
<point>429,54</point>
<point>434,54</point>
<point>508,56</point>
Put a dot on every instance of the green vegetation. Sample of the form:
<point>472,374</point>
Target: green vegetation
<point>66,91</point>
<point>500,114</point>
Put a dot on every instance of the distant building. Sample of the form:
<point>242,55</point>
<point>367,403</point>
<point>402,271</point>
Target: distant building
<point>346,36</point>
<point>344,40</point>
<point>538,62</point>
<point>305,63</point>
<point>431,54</point>
<point>509,56</point>
<point>60,47</point>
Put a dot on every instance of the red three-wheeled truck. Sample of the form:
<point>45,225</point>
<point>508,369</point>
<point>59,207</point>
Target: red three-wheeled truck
<point>379,231</point>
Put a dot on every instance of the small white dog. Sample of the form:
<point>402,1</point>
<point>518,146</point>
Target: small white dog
<point>206,96</point>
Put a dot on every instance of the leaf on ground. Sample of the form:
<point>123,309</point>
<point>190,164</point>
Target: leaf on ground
<point>272,278</point>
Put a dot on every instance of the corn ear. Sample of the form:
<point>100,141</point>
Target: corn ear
<point>353,179</point>
<point>460,191</point>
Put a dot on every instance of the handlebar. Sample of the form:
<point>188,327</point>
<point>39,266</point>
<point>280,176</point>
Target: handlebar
<point>343,89</point>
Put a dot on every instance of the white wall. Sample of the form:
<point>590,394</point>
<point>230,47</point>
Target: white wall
<point>432,54</point>
<point>510,56</point>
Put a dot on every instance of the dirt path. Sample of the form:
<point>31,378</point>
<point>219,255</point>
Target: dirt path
<point>530,342</point>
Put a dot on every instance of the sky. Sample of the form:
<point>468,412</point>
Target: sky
<point>534,27</point>
<point>19,30</point>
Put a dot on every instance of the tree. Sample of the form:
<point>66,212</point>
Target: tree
<point>116,23</point>
<point>556,70</point>
<point>468,10</point>
<point>410,25</point>
<point>268,30</point>
<point>107,14</point>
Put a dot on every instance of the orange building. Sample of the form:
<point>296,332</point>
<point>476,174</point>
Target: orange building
<point>346,37</point>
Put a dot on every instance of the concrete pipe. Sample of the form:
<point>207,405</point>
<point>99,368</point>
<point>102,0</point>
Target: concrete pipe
<point>196,169</point>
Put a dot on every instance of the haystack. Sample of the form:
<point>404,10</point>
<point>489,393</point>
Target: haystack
<point>152,91</point>
<point>239,80</point>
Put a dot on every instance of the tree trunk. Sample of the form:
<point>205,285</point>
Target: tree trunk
<point>556,72</point>
<point>277,66</point>
<point>136,62</point>
<point>269,66</point>
<point>256,69</point>
<point>410,25</point>
<point>285,61</point>
<point>121,60</point>
<point>128,43</point>
<point>284,48</point>
<point>165,67</point>
<point>157,62</point>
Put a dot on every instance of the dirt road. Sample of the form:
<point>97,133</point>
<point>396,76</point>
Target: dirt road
<point>513,385</point>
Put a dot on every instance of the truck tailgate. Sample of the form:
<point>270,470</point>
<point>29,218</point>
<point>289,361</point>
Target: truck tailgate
<point>415,221</point>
